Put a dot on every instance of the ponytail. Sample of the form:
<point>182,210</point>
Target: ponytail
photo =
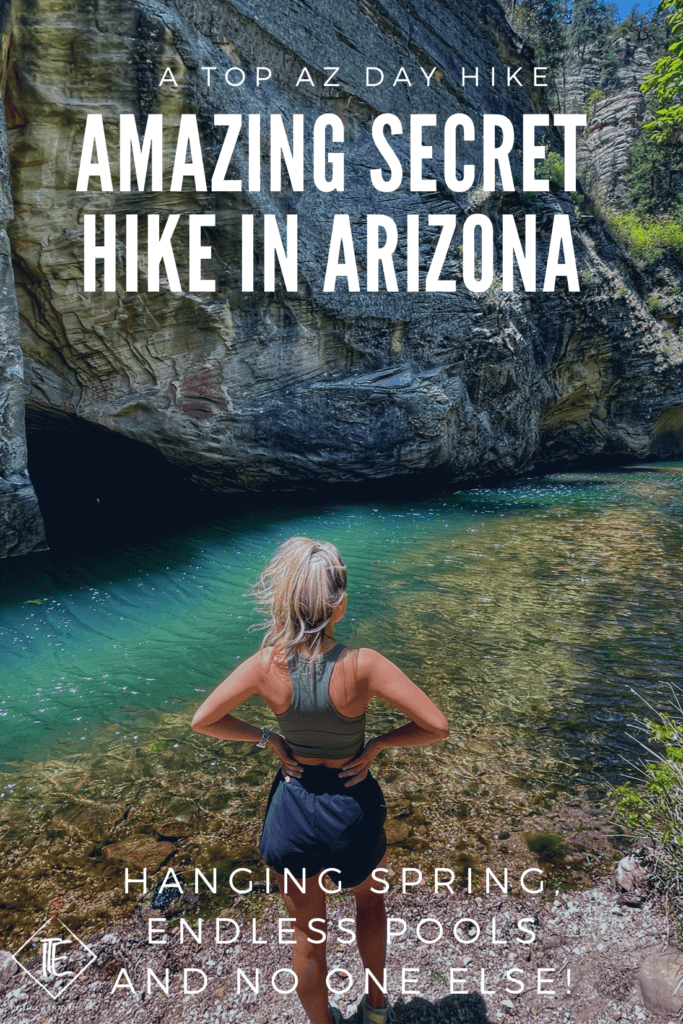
<point>298,590</point>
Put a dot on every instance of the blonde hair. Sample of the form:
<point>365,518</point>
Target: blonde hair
<point>298,590</point>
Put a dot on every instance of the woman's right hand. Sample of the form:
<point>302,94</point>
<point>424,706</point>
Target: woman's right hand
<point>290,767</point>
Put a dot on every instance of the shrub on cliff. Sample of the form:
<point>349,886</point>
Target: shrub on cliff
<point>552,168</point>
<point>655,178</point>
<point>648,238</point>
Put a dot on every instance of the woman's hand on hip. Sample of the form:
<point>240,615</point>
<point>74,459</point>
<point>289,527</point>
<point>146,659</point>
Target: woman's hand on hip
<point>290,767</point>
<point>358,767</point>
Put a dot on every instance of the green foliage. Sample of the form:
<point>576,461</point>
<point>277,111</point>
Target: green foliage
<point>543,24</point>
<point>560,30</point>
<point>547,21</point>
<point>649,29</point>
<point>655,179</point>
<point>594,97</point>
<point>654,810</point>
<point>648,238</point>
<point>546,845</point>
<point>592,22</point>
<point>552,168</point>
<point>666,78</point>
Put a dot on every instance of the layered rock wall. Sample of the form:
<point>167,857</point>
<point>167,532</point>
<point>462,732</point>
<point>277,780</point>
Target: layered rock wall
<point>607,85</point>
<point>272,390</point>
<point>21,524</point>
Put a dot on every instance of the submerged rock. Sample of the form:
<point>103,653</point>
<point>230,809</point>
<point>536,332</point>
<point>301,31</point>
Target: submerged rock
<point>139,851</point>
<point>174,829</point>
<point>397,831</point>
<point>169,897</point>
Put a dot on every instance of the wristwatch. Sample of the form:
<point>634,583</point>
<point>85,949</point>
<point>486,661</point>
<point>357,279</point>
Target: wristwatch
<point>265,733</point>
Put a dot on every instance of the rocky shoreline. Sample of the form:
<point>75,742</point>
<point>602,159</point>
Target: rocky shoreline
<point>605,954</point>
<point>66,849</point>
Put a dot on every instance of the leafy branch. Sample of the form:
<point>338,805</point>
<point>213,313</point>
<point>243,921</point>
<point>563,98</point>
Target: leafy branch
<point>666,79</point>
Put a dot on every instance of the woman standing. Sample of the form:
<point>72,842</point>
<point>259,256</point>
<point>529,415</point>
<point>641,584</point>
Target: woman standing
<point>325,810</point>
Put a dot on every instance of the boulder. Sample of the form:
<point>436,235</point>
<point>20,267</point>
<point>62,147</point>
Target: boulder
<point>661,982</point>
<point>630,873</point>
<point>174,829</point>
<point>397,831</point>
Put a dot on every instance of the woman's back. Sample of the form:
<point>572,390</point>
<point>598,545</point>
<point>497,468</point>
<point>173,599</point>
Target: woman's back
<point>312,724</point>
<point>319,701</point>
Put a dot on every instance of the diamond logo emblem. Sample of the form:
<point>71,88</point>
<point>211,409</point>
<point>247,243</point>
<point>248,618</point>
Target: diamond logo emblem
<point>62,957</point>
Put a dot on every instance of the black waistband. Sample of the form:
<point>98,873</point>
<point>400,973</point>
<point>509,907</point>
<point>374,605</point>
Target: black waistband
<point>318,779</point>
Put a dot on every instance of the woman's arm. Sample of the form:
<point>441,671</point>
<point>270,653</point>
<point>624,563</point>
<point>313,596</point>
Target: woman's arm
<point>213,717</point>
<point>386,680</point>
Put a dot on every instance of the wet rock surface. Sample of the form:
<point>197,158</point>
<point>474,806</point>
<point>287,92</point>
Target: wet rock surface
<point>139,852</point>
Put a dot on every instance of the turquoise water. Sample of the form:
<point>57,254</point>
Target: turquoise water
<point>536,608</point>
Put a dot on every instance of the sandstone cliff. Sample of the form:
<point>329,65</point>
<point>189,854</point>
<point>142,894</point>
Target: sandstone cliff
<point>257,391</point>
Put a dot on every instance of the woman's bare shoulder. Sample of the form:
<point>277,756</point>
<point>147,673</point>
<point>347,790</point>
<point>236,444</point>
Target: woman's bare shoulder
<point>263,656</point>
<point>268,660</point>
<point>255,666</point>
<point>369,661</point>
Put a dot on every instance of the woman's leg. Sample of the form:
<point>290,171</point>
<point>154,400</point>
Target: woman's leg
<point>309,961</point>
<point>371,931</point>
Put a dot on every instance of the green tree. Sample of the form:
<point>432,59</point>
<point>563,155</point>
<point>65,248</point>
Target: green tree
<point>649,28</point>
<point>543,24</point>
<point>666,79</point>
<point>591,23</point>
<point>655,180</point>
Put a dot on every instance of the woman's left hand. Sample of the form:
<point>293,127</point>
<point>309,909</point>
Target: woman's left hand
<point>290,767</point>
<point>358,767</point>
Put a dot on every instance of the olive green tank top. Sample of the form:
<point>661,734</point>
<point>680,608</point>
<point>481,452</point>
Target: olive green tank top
<point>311,724</point>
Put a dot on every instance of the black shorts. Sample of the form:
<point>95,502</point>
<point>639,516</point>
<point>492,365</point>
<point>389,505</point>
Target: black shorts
<point>314,822</point>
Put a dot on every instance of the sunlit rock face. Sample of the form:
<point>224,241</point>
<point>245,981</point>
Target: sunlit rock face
<point>606,84</point>
<point>249,391</point>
